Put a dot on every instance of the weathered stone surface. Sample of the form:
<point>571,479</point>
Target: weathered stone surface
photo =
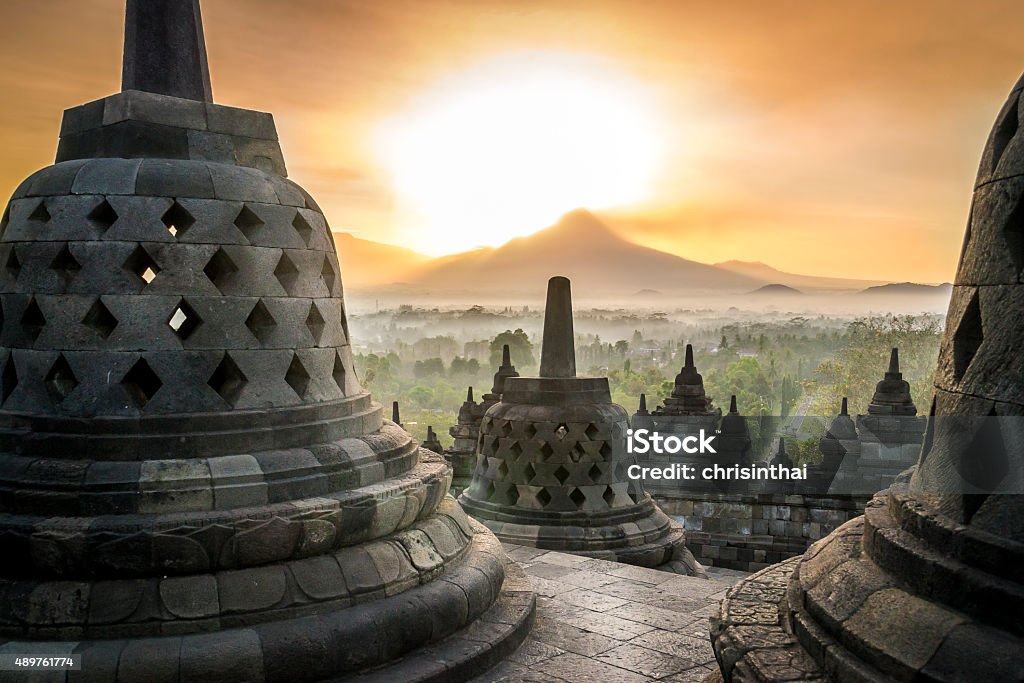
<point>193,484</point>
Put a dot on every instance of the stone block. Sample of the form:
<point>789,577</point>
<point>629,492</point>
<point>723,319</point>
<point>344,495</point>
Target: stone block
<point>247,590</point>
<point>107,176</point>
<point>135,105</point>
<point>190,597</point>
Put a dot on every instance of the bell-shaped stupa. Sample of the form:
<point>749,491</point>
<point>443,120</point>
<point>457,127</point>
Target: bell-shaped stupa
<point>552,465</point>
<point>929,584</point>
<point>193,484</point>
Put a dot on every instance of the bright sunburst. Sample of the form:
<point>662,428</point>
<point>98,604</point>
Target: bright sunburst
<point>506,148</point>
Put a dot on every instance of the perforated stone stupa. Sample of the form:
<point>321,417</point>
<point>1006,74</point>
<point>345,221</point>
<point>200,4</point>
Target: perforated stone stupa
<point>466,431</point>
<point>929,584</point>
<point>551,469</point>
<point>193,484</point>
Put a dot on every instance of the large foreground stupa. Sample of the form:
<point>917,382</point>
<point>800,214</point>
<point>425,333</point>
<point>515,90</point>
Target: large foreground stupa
<point>929,584</point>
<point>193,484</point>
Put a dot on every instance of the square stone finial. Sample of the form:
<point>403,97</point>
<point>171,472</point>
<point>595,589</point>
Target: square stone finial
<point>164,49</point>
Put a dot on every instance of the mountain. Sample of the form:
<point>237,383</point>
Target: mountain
<point>776,289</point>
<point>371,264</point>
<point>582,248</point>
<point>766,273</point>
<point>911,289</point>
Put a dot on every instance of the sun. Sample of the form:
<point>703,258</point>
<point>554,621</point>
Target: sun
<point>505,148</point>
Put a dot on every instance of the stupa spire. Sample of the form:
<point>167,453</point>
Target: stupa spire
<point>164,49</point>
<point>894,362</point>
<point>558,355</point>
<point>689,357</point>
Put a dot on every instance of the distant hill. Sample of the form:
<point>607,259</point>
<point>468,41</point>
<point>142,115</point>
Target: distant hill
<point>777,289</point>
<point>365,263</point>
<point>582,248</point>
<point>910,288</point>
<point>766,273</point>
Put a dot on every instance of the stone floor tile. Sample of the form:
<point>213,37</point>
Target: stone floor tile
<point>561,558</point>
<point>589,599</point>
<point>587,579</point>
<point>570,638</point>
<point>533,651</point>
<point>640,660</point>
<point>687,648</point>
<point>642,574</point>
<point>653,616</point>
<point>579,669</point>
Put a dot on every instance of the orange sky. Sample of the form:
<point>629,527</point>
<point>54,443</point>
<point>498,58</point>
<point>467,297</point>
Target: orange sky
<point>836,138</point>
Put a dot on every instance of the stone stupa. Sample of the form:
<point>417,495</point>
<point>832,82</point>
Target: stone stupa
<point>551,467</point>
<point>193,484</point>
<point>890,433</point>
<point>466,431</point>
<point>687,411</point>
<point>928,585</point>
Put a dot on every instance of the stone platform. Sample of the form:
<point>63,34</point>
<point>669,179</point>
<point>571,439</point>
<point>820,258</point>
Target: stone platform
<point>613,623</point>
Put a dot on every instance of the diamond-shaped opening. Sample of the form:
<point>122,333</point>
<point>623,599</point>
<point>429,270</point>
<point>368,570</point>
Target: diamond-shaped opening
<point>506,428</point>
<point>530,430</point>
<point>33,319</point>
<point>248,223</point>
<point>220,269</point>
<point>592,431</point>
<point>8,378</point>
<point>60,381</point>
<point>609,496</point>
<point>529,472</point>
<point>302,227</point>
<point>297,377</point>
<point>65,264</point>
<point>100,319</point>
<point>13,263</point>
<point>40,214</point>
<point>103,216</point>
<point>967,338</point>
<point>1004,132</point>
<point>260,322</point>
<point>328,275</point>
<point>594,473</point>
<point>577,453</point>
<point>141,383</point>
<point>516,448</point>
<point>228,380</point>
<point>513,495</point>
<point>544,497</point>
<point>1013,232</point>
<point>578,497</point>
<point>546,450</point>
<point>184,320</point>
<point>286,273</point>
<point>142,265</point>
<point>606,450</point>
<point>561,474</point>
<point>339,372</point>
<point>177,220</point>
<point>502,469</point>
<point>984,464</point>
<point>315,323</point>
<point>561,431</point>
<point>489,491</point>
